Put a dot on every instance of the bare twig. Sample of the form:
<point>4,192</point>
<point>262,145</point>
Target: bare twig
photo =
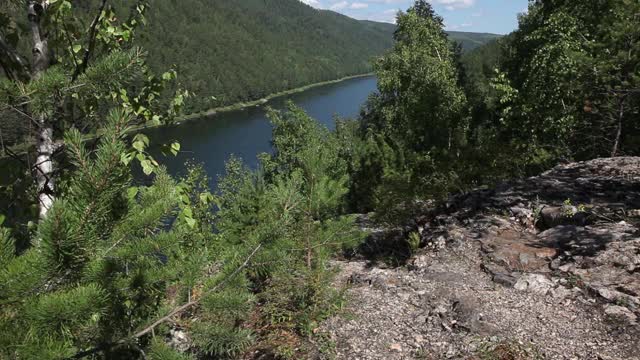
<point>194,302</point>
<point>162,320</point>
<point>92,42</point>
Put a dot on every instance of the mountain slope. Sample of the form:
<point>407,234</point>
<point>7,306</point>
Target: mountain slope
<point>229,51</point>
<point>471,40</point>
<point>468,40</point>
<point>238,50</point>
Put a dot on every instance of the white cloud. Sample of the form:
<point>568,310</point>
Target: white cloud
<point>455,4</point>
<point>358,6</point>
<point>314,3</point>
<point>339,5</point>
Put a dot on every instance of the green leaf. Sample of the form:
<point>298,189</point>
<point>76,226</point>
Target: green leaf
<point>132,192</point>
<point>206,198</point>
<point>142,137</point>
<point>190,221</point>
<point>76,48</point>
<point>126,158</point>
<point>139,145</point>
<point>175,148</point>
<point>147,168</point>
<point>2,218</point>
<point>140,142</point>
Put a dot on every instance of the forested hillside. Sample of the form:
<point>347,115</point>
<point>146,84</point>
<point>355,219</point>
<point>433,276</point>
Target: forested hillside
<point>469,40</point>
<point>239,50</point>
<point>236,50</point>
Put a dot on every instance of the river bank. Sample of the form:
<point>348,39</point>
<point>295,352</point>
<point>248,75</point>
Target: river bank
<point>22,148</point>
<point>266,99</point>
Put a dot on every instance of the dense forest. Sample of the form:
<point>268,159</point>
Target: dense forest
<point>110,268</point>
<point>243,50</point>
<point>246,49</point>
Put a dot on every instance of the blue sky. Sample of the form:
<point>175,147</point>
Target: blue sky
<point>494,16</point>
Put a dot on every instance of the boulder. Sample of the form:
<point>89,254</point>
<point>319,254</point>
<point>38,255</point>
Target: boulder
<point>552,216</point>
<point>535,283</point>
<point>518,251</point>
<point>621,313</point>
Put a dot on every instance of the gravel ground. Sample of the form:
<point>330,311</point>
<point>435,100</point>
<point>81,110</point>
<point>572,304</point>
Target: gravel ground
<point>517,272</point>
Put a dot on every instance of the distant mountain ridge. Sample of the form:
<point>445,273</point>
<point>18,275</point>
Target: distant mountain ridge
<point>471,40</point>
<point>229,51</point>
<point>468,40</point>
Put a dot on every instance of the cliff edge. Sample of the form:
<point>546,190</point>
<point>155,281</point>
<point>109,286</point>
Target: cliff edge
<point>543,268</point>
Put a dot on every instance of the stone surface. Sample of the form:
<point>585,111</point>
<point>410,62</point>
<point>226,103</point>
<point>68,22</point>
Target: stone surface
<point>179,340</point>
<point>621,313</point>
<point>517,251</point>
<point>535,283</point>
<point>567,285</point>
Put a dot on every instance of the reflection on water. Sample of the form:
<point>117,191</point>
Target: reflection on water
<point>246,133</point>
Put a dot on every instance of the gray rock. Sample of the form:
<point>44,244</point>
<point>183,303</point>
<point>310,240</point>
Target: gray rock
<point>534,283</point>
<point>552,216</point>
<point>561,293</point>
<point>566,268</point>
<point>608,294</point>
<point>505,279</point>
<point>559,235</point>
<point>555,264</point>
<point>179,340</point>
<point>621,313</point>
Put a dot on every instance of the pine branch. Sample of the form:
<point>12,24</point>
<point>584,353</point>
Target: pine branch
<point>162,320</point>
<point>195,302</point>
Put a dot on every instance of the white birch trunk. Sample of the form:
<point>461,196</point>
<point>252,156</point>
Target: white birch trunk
<point>44,142</point>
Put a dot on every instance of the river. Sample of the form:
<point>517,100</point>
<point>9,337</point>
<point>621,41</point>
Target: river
<point>247,132</point>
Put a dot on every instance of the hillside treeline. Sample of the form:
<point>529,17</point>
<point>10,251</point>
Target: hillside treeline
<point>239,50</point>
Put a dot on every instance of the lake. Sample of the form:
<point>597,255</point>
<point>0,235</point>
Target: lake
<point>247,133</point>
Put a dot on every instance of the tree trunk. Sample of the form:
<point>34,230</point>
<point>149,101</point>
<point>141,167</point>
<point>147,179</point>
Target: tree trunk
<point>2,153</point>
<point>616,142</point>
<point>15,66</point>
<point>44,143</point>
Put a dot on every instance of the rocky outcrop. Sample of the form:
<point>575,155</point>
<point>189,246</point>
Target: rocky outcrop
<point>548,267</point>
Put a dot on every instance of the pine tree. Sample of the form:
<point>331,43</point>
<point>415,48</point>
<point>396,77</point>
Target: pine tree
<point>83,63</point>
<point>117,261</point>
<point>292,207</point>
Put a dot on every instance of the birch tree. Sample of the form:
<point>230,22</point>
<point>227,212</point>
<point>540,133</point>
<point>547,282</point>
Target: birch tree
<point>83,62</point>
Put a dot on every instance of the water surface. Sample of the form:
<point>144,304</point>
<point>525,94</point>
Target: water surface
<point>247,133</point>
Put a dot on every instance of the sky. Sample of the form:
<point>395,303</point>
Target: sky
<point>492,16</point>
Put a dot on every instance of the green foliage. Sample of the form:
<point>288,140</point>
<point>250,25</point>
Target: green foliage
<point>292,207</point>
<point>574,66</point>
<point>415,129</point>
<point>161,351</point>
<point>111,261</point>
<point>95,66</point>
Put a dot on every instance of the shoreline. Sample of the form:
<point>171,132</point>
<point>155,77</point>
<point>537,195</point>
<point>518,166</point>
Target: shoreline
<point>264,100</point>
<point>229,108</point>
